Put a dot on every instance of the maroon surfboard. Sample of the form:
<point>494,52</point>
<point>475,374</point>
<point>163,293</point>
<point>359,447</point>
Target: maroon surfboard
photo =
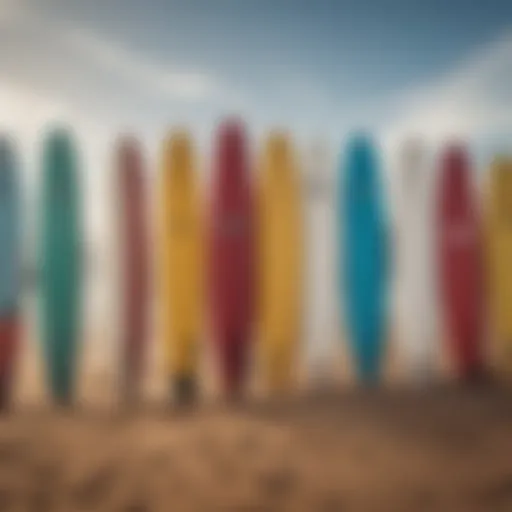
<point>231,255</point>
<point>133,253</point>
<point>460,262</point>
<point>9,341</point>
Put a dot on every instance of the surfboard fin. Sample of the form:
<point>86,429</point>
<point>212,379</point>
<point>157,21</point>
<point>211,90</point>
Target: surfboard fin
<point>5,392</point>
<point>185,389</point>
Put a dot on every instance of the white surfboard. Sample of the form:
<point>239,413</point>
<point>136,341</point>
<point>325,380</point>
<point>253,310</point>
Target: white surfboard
<point>415,261</point>
<point>320,263</point>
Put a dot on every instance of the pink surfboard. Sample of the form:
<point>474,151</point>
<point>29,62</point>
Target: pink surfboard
<point>133,252</point>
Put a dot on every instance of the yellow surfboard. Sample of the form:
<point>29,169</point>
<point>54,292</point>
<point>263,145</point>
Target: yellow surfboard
<point>279,262</point>
<point>499,259</point>
<point>181,263</point>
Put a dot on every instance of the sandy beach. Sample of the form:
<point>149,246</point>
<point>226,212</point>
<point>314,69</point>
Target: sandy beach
<point>444,449</point>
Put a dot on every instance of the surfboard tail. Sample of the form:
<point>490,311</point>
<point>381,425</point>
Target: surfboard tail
<point>471,362</point>
<point>421,368</point>
<point>369,372</point>
<point>62,388</point>
<point>61,374</point>
<point>279,367</point>
<point>133,367</point>
<point>234,362</point>
<point>184,389</point>
<point>368,356</point>
<point>183,366</point>
<point>9,339</point>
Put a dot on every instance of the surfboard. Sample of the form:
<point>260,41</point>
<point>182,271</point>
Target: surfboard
<point>365,266</point>
<point>60,262</point>
<point>460,262</point>
<point>231,255</point>
<point>320,264</point>
<point>182,261</point>
<point>10,255</point>
<point>280,261</point>
<point>498,237</point>
<point>133,262</point>
<point>415,255</point>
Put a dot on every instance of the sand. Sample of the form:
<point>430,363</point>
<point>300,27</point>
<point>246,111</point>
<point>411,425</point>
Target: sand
<point>446,449</point>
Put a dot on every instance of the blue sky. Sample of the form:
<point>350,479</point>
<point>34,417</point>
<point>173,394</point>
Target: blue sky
<point>319,67</point>
<point>316,66</point>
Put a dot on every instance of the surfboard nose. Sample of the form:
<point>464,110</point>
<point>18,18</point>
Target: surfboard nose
<point>128,151</point>
<point>179,152</point>
<point>59,154</point>
<point>361,158</point>
<point>8,161</point>
<point>6,151</point>
<point>279,152</point>
<point>231,142</point>
<point>59,140</point>
<point>456,163</point>
<point>231,130</point>
<point>412,157</point>
<point>360,144</point>
<point>7,164</point>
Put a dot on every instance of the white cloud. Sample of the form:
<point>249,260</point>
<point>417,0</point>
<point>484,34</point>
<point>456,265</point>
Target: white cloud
<point>25,111</point>
<point>177,85</point>
<point>11,11</point>
<point>474,100</point>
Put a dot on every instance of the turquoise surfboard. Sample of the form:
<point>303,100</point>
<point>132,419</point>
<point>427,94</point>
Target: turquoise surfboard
<point>10,256</point>
<point>364,272</point>
<point>60,262</point>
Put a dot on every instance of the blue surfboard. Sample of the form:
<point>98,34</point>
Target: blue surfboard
<point>61,238</point>
<point>10,256</point>
<point>364,273</point>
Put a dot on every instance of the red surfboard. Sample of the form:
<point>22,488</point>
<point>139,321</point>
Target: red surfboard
<point>133,248</point>
<point>460,262</point>
<point>231,254</point>
<point>9,340</point>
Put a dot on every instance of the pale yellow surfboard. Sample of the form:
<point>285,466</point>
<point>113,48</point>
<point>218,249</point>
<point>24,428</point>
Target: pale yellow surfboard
<point>279,262</point>
<point>181,263</point>
<point>499,259</point>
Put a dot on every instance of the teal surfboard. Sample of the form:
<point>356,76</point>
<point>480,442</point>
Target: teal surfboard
<point>364,286</point>
<point>60,262</point>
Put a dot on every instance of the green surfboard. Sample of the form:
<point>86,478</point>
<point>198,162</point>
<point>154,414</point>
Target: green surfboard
<point>60,251</point>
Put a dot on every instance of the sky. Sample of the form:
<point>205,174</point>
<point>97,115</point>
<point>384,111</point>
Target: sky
<point>319,68</point>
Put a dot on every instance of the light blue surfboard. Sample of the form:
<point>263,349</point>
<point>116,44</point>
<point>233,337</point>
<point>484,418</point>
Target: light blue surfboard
<point>10,229</point>
<point>10,265</point>
<point>364,271</point>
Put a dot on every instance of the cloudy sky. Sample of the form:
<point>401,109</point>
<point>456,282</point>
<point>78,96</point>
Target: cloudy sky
<point>320,67</point>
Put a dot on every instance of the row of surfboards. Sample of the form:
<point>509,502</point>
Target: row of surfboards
<point>244,250</point>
